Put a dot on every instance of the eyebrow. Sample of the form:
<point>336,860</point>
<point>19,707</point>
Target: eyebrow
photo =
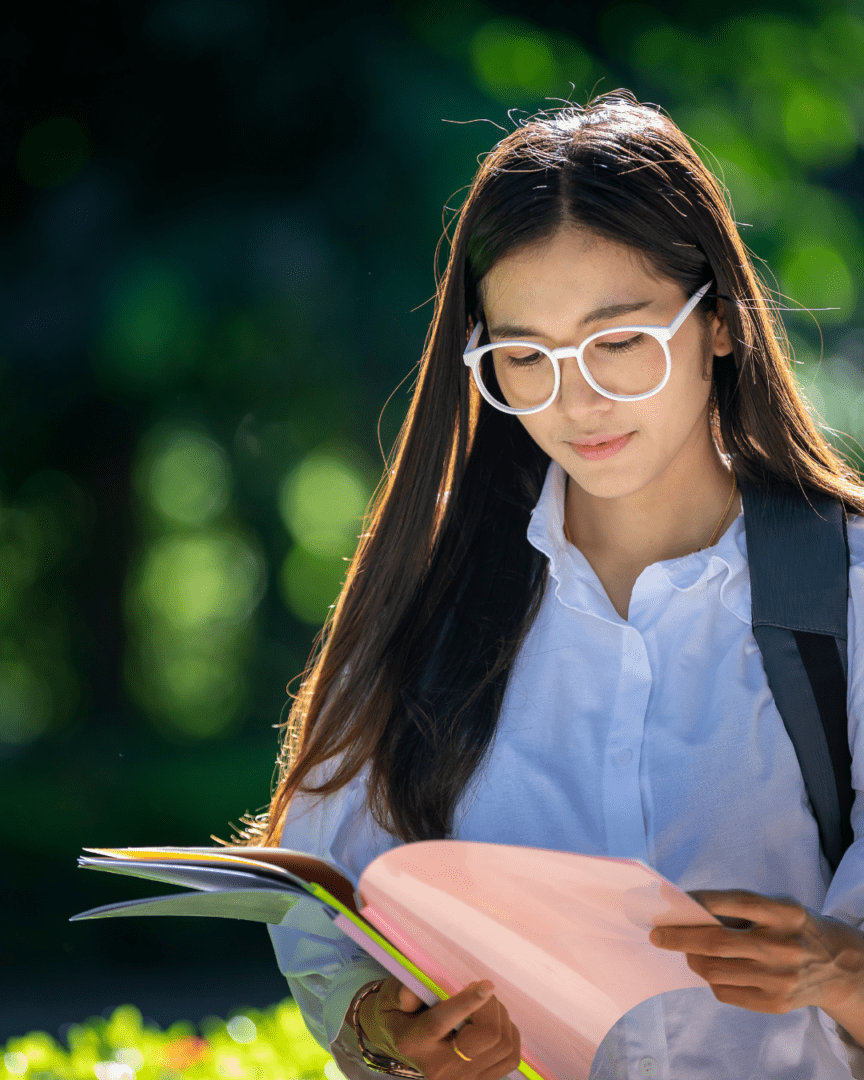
<point>607,311</point>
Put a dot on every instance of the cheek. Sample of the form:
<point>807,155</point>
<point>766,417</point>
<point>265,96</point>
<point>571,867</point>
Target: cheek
<point>537,428</point>
<point>691,380</point>
<point>681,402</point>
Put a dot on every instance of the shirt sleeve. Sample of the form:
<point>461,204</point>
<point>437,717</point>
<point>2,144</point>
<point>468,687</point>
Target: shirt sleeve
<point>325,969</point>
<point>323,966</point>
<point>845,897</point>
<point>845,901</point>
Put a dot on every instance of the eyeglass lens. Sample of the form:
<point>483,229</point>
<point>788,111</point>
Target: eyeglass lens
<point>619,362</point>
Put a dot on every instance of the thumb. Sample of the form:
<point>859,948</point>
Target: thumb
<point>408,1000</point>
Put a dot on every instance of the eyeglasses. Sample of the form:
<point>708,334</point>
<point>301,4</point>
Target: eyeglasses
<point>625,363</point>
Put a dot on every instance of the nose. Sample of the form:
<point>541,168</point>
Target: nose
<point>576,396</point>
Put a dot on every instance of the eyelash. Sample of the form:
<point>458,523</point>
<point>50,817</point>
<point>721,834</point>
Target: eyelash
<point>614,348</point>
<point>524,361</point>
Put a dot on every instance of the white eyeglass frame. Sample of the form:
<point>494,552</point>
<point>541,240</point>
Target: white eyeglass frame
<point>664,334</point>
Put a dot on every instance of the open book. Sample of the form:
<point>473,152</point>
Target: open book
<point>563,937</point>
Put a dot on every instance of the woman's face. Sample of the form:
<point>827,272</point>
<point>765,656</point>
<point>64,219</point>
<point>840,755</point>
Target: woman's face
<point>554,293</point>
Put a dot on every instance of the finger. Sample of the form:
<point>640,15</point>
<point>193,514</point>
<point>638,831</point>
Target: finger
<point>749,997</point>
<point>408,1001</point>
<point>744,904</point>
<point>396,995</point>
<point>731,972</point>
<point>485,1031</point>
<point>706,941</point>
<point>507,1055</point>
<point>443,1017</point>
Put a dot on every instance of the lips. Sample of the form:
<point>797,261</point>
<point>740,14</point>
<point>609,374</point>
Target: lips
<point>599,440</point>
<point>602,446</point>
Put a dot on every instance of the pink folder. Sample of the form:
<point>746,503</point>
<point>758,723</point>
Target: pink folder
<point>563,937</point>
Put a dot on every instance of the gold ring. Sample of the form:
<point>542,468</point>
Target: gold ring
<point>459,1052</point>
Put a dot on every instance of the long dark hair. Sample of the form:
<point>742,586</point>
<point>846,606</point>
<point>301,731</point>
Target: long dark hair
<point>409,672</point>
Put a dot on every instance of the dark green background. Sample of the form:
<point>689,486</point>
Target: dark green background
<point>219,220</point>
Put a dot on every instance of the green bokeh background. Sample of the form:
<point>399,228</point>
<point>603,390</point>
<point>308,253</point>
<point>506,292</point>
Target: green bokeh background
<point>217,262</point>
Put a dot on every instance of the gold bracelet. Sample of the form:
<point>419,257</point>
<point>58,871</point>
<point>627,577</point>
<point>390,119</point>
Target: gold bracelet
<point>379,1062</point>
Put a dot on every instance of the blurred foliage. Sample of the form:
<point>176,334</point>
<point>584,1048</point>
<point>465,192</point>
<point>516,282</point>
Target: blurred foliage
<point>193,589</point>
<point>219,233</point>
<point>322,503</point>
<point>42,531</point>
<point>271,1044</point>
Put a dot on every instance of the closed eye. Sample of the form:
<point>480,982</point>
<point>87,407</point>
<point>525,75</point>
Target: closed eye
<point>518,356</point>
<point>615,348</point>
<point>524,361</point>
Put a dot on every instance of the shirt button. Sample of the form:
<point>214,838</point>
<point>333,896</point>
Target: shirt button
<point>648,1066</point>
<point>624,758</point>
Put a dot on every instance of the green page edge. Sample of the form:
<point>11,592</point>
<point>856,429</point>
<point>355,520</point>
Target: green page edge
<point>321,893</point>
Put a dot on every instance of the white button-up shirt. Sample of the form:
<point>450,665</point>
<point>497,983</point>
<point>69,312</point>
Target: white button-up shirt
<point>653,738</point>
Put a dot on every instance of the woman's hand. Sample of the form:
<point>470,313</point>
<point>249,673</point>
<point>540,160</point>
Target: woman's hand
<point>397,1023</point>
<point>786,958</point>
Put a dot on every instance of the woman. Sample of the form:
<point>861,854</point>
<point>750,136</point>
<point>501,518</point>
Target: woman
<point>544,638</point>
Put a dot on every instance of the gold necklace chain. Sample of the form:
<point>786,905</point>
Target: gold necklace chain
<point>713,539</point>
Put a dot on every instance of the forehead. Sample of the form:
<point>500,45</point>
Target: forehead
<point>574,268</point>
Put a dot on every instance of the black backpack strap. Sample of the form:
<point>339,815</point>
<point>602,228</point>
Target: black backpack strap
<point>798,553</point>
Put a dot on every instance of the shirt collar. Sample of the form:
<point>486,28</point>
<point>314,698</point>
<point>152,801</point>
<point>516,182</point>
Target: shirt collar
<point>578,587</point>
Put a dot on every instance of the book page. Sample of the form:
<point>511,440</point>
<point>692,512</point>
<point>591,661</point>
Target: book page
<point>298,863</point>
<point>252,905</point>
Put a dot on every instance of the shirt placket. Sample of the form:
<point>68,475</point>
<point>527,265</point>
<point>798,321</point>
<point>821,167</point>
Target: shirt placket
<point>622,796</point>
<point>637,1050</point>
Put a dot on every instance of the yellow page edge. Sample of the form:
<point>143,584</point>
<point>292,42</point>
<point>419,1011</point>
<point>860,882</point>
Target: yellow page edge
<point>176,855</point>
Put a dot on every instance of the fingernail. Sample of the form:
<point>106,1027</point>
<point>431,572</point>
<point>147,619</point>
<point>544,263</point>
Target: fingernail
<point>484,989</point>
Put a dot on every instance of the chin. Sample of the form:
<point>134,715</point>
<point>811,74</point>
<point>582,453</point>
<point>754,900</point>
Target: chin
<point>606,487</point>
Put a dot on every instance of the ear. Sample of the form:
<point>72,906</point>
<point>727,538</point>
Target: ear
<point>721,340</point>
